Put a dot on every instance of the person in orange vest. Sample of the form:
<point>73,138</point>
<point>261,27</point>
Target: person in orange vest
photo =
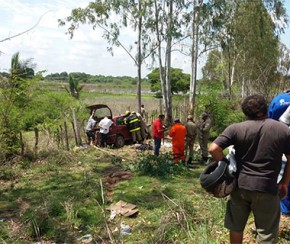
<point>178,133</point>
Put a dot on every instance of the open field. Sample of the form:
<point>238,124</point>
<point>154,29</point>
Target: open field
<point>60,196</point>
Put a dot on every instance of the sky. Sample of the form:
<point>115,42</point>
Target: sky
<point>52,50</point>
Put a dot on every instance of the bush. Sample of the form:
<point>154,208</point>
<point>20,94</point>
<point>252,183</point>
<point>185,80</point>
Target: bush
<point>223,111</point>
<point>160,166</point>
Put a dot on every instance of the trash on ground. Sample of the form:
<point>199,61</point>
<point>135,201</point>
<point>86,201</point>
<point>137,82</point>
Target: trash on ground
<point>123,208</point>
<point>125,229</point>
<point>143,147</point>
<point>86,238</point>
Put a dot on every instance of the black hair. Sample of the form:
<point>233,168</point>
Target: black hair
<point>255,106</point>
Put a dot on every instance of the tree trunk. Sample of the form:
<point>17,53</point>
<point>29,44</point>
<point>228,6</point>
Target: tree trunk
<point>161,70</point>
<point>168,67</point>
<point>139,59</point>
<point>195,29</point>
<point>66,135</point>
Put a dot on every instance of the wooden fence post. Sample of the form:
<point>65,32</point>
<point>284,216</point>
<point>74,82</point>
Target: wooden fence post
<point>66,135</point>
<point>76,129</point>
<point>36,133</point>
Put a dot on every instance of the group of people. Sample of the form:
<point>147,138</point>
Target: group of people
<point>134,122</point>
<point>183,137</point>
<point>259,142</point>
<point>104,125</point>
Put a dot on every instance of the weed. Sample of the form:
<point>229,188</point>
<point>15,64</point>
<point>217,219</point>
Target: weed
<point>4,233</point>
<point>39,223</point>
<point>7,173</point>
<point>71,213</point>
<point>116,160</point>
<point>161,166</point>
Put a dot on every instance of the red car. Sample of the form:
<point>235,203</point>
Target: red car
<point>118,134</point>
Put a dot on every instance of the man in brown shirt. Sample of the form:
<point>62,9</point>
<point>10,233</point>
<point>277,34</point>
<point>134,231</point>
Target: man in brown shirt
<point>259,144</point>
<point>204,125</point>
<point>191,131</point>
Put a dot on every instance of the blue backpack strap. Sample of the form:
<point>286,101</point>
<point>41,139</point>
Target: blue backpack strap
<point>278,105</point>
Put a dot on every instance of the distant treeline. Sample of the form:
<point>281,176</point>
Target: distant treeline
<point>4,74</point>
<point>87,78</point>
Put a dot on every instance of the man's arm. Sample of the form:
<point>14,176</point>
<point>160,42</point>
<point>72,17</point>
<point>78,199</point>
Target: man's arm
<point>207,125</point>
<point>283,184</point>
<point>216,151</point>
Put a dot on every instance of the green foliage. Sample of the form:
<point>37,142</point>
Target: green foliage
<point>74,88</point>
<point>223,110</point>
<point>247,40</point>
<point>100,80</point>
<point>40,224</point>
<point>16,93</point>
<point>214,67</point>
<point>179,81</point>
<point>7,173</point>
<point>4,232</point>
<point>253,19</point>
<point>161,166</point>
<point>48,110</point>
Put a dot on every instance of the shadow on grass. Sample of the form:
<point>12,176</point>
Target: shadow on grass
<point>53,205</point>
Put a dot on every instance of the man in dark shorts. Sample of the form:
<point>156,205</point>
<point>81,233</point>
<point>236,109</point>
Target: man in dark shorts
<point>259,144</point>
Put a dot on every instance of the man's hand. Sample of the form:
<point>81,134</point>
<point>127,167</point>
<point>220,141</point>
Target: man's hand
<point>216,152</point>
<point>283,190</point>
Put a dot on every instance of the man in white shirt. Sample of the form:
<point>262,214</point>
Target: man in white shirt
<point>90,129</point>
<point>105,124</point>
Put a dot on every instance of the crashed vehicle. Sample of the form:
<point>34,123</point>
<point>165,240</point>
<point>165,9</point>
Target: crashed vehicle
<point>119,134</point>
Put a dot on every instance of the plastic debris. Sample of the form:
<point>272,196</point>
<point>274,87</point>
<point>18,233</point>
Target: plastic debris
<point>125,229</point>
<point>86,238</point>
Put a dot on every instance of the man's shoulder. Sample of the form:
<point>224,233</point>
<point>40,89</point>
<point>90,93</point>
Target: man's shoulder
<point>156,122</point>
<point>180,126</point>
<point>257,123</point>
<point>190,124</point>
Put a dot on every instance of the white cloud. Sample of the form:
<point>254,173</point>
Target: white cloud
<point>49,46</point>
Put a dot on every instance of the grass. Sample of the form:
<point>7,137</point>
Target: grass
<point>58,198</point>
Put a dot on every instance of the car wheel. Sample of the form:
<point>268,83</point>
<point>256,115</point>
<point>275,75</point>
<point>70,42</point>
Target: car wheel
<point>120,142</point>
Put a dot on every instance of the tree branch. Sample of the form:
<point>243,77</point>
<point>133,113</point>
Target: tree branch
<point>21,33</point>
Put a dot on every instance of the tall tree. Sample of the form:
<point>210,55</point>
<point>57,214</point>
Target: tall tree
<point>179,81</point>
<point>247,35</point>
<point>114,17</point>
<point>169,21</point>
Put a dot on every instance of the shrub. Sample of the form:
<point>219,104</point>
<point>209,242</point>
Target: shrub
<point>160,166</point>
